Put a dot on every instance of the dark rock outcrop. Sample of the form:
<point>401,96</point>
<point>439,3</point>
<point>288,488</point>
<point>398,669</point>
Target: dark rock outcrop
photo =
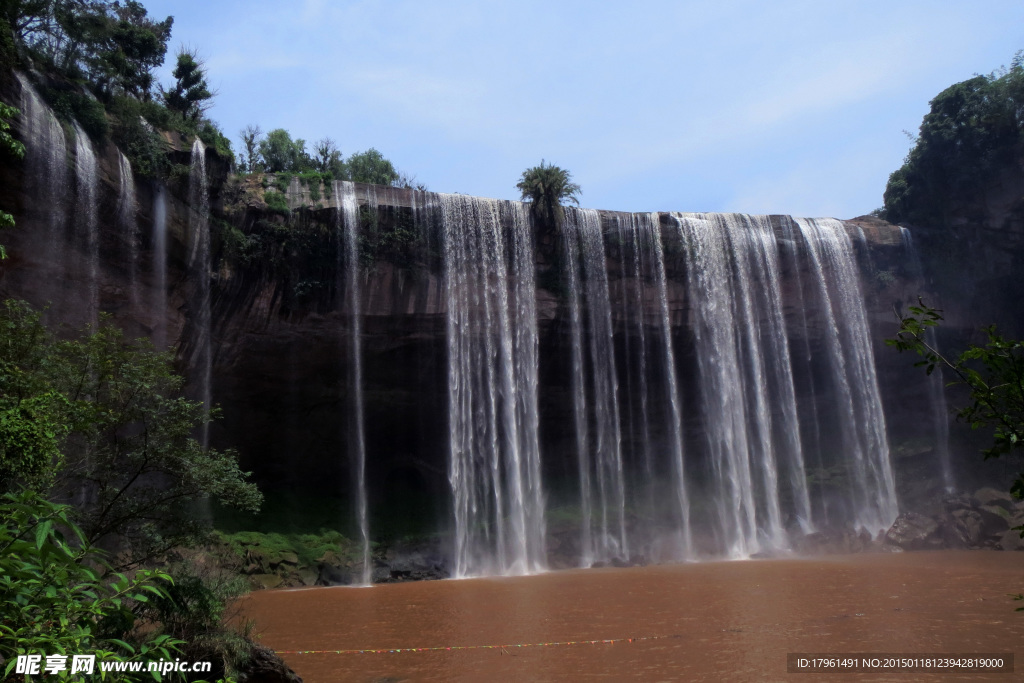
<point>964,522</point>
<point>265,666</point>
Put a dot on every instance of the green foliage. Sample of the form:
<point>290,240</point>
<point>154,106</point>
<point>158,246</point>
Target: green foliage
<point>195,609</point>
<point>250,161</point>
<point>308,548</point>
<point>33,417</point>
<point>327,158</point>
<point>282,181</point>
<point>190,93</point>
<point>9,147</point>
<point>546,187</point>
<point>974,128</point>
<point>211,135</point>
<point>993,373</point>
<point>52,596</point>
<point>73,105</point>
<point>395,239</point>
<point>280,153</point>
<point>128,434</point>
<point>144,147</point>
<point>371,167</point>
<point>128,46</point>
<point>114,46</point>
<point>276,201</point>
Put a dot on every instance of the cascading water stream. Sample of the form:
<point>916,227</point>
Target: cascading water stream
<point>126,210</point>
<point>159,303</point>
<point>494,462</point>
<point>46,168</point>
<point>872,497</point>
<point>790,239</point>
<point>199,270</point>
<point>936,387</point>
<point>747,389</point>
<point>87,196</point>
<point>598,444</point>
<point>348,226</point>
<point>675,420</point>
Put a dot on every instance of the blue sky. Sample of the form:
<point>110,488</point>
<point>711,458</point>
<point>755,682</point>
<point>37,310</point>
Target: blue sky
<point>790,106</point>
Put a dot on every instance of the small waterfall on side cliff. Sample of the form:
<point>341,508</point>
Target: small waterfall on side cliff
<point>87,218</point>
<point>159,303</point>
<point>494,465</point>
<point>598,444</point>
<point>126,208</point>
<point>348,226</point>
<point>936,387</point>
<point>864,450</point>
<point>46,169</point>
<point>199,271</point>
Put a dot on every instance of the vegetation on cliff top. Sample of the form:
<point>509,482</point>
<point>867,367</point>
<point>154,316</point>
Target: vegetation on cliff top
<point>546,187</point>
<point>973,130</point>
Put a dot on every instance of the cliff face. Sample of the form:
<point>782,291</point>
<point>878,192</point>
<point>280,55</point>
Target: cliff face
<point>973,262</point>
<point>280,320</point>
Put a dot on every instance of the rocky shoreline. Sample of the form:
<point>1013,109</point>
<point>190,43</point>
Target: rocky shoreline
<point>988,519</point>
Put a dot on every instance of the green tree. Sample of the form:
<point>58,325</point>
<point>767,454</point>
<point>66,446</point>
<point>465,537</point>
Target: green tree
<point>546,187</point>
<point>972,130</point>
<point>250,161</point>
<point>992,373</point>
<point>282,154</point>
<point>190,94</point>
<point>125,49</point>
<point>52,597</point>
<point>371,167</point>
<point>107,415</point>
<point>327,158</point>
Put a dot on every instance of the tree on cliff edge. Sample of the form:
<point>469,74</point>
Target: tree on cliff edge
<point>190,93</point>
<point>974,130</point>
<point>546,187</point>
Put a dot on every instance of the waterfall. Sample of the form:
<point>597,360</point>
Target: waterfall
<point>87,197</point>
<point>675,421</point>
<point>494,462</point>
<point>864,448</point>
<point>348,224</point>
<point>46,170</point>
<point>199,271</point>
<point>644,262</point>
<point>599,450</point>
<point>790,239</point>
<point>126,208</point>
<point>936,387</point>
<point>159,302</point>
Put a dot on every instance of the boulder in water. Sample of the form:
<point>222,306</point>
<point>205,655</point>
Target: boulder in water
<point>265,666</point>
<point>1011,540</point>
<point>991,496</point>
<point>914,531</point>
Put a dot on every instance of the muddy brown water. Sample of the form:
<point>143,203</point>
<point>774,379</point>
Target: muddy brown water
<point>716,621</point>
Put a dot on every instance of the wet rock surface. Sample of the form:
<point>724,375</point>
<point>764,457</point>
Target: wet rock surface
<point>987,519</point>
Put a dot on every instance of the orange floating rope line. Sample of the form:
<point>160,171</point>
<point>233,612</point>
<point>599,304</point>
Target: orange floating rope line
<point>450,648</point>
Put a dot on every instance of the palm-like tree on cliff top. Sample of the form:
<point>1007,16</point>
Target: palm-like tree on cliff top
<point>546,187</point>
